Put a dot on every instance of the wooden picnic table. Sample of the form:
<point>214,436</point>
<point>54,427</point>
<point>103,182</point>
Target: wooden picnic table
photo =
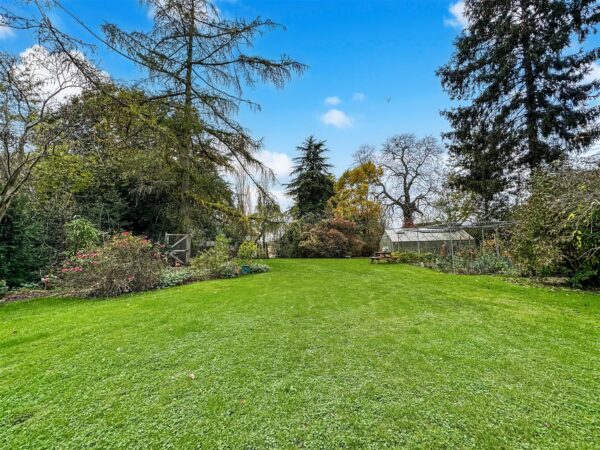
<point>383,256</point>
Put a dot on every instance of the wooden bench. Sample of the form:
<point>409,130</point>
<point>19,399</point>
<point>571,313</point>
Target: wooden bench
<point>383,256</point>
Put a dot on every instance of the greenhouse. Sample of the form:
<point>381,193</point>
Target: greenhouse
<point>425,240</point>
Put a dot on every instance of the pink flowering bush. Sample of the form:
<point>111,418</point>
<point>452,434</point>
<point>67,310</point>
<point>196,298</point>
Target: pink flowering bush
<point>125,263</point>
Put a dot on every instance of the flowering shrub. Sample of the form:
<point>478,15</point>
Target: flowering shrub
<point>126,263</point>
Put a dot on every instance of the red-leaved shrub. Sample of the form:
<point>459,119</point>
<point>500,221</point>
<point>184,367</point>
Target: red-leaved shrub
<point>332,238</point>
<point>125,263</point>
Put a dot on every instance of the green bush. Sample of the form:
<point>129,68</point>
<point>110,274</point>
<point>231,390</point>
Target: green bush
<point>3,288</point>
<point>288,245</point>
<point>215,262</point>
<point>25,244</point>
<point>259,268</point>
<point>414,258</point>
<point>247,251</point>
<point>484,264</point>
<point>229,269</point>
<point>81,234</point>
<point>125,263</point>
<point>557,228</point>
<point>175,276</point>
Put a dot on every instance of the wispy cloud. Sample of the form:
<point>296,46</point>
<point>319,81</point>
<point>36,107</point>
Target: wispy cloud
<point>5,32</point>
<point>337,118</point>
<point>57,80</point>
<point>280,163</point>
<point>458,20</point>
<point>359,97</point>
<point>333,101</point>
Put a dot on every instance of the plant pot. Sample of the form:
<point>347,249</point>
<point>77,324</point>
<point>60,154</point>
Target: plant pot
<point>246,270</point>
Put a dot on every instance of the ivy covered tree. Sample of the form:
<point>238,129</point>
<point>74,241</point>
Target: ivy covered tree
<point>312,183</point>
<point>520,71</point>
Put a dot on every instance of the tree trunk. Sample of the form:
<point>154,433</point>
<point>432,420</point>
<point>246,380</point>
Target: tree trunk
<point>409,217</point>
<point>530,92</point>
<point>188,120</point>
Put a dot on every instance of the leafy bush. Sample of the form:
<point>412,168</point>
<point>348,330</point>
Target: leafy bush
<point>125,263</point>
<point>414,258</point>
<point>215,262</point>
<point>229,269</point>
<point>558,229</point>
<point>3,288</point>
<point>175,276</point>
<point>81,234</point>
<point>288,244</point>
<point>491,264</point>
<point>483,264</point>
<point>332,238</point>
<point>25,244</point>
<point>259,268</point>
<point>247,251</point>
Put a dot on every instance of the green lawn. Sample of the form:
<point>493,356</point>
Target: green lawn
<point>315,354</point>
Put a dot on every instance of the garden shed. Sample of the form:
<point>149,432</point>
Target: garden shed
<point>426,240</point>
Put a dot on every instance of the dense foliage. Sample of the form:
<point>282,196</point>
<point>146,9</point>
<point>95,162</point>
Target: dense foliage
<point>355,200</point>
<point>333,238</point>
<point>215,262</point>
<point>83,151</point>
<point>312,183</point>
<point>558,229</point>
<point>126,263</point>
<point>520,70</point>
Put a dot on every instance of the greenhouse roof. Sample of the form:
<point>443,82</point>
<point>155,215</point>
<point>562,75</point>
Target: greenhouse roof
<point>424,235</point>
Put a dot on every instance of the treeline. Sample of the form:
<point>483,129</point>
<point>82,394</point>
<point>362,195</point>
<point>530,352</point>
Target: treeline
<point>522,75</point>
<point>150,155</point>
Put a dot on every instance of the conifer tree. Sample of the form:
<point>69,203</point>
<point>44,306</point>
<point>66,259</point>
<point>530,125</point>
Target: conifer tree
<point>312,185</point>
<point>521,72</point>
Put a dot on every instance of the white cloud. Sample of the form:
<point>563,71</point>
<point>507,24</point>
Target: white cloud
<point>56,78</point>
<point>359,97</point>
<point>333,101</point>
<point>458,19</point>
<point>337,118</point>
<point>5,32</point>
<point>280,163</point>
<point>284,201</point>
<point>594,73</point>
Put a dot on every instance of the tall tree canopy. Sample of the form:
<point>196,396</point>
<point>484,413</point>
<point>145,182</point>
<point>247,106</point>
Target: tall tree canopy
<point>199,59</point>
<point>410,174</point>
<point>356,200</point>
<point>520,71</point>
<point>312,183</point>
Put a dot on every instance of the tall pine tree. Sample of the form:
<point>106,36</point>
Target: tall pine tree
<point>312,183</point>
<point>521,72</point>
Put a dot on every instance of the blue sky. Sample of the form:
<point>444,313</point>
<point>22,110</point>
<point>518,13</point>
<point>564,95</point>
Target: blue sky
<point>371,68</point>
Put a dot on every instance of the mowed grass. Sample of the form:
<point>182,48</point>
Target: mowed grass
<point>315,354</point>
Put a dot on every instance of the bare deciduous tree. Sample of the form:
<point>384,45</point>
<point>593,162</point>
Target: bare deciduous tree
<point>32,85</point>
<point>411,174</point>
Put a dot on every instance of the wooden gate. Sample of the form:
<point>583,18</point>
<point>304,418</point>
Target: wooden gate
<point>179,247</point>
